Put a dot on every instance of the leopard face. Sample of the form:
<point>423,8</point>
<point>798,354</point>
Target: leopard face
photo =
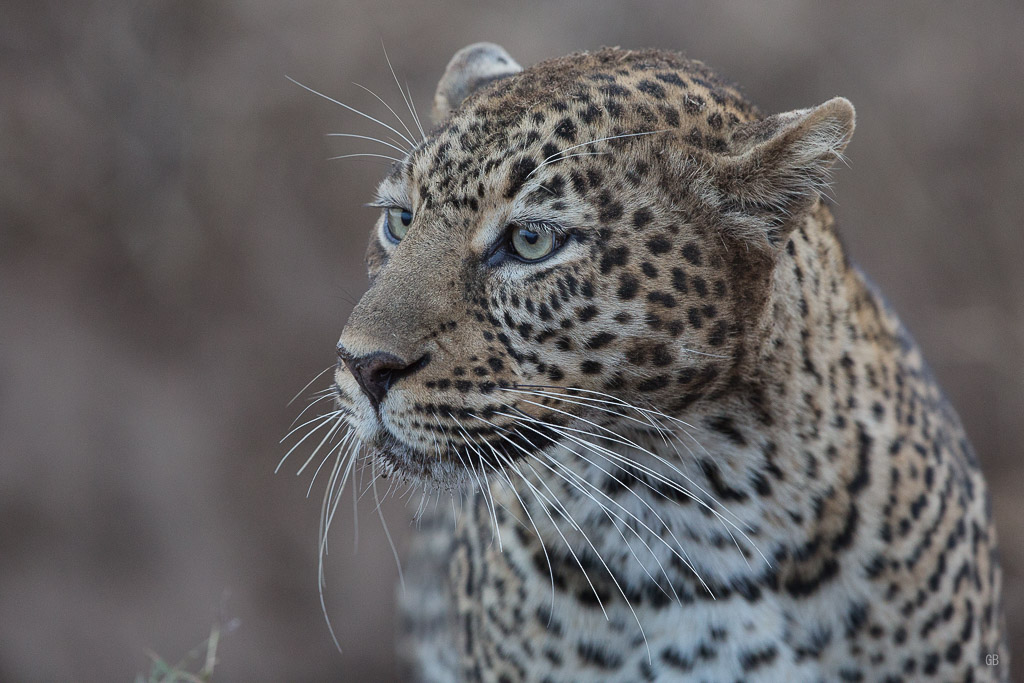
<point>579,246</point>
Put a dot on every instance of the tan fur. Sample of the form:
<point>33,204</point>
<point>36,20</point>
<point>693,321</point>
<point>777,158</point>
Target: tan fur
<point>691,443</point>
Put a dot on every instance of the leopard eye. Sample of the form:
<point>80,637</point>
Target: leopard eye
<point>533,242</point>
<point>396,222</point>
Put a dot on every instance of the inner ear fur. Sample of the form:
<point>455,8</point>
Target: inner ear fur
<point>472,67</point>
<point>778,169</point>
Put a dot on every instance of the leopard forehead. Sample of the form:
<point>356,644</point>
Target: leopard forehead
<point>520,127</point>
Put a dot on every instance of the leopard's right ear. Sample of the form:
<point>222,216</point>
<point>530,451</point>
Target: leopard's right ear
<point>471,68</point>
<point>780,167</point>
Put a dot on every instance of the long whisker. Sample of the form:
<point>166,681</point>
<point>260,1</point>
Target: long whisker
<point>395,76</point>
<point>553,503</point>
<point>353,110</point>
<point>415,116</point>
<point>324,421</point>
<point>662,431</point>
<point>579,483</point>
<point>318,376</point>
<point>381,100</point>
<point>560,154</point>
<point>338,448</point>
<point>324,416</point>
<point>605,453</point>
<point>367,137</point>
<point>583,534</point>
<point>622,440</point>
<point>387,534</point>
<point>367,154</point>
<point>326,394</point>
<point>326,515</point>
<point>526,510</point>
<point>338,424</point>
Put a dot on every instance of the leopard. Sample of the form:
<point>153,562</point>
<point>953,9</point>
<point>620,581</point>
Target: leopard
<point>678,433</point>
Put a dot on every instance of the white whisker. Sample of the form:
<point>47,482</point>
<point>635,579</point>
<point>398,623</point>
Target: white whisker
<point>395,76</point>
<point>366,154</point>
<point>366,137</point>
<point>353,110</point>
<point>318,376</point>
<point>381,100</point>
<point>558,156</point>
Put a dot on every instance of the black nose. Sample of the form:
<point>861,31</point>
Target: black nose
<point>376,372</point>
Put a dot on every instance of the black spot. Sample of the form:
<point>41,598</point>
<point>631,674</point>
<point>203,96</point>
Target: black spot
<point>628,287</point>
<point>566,130</point>
<point>651,88</point>
<point>590,367</point>
<point>614,89</point>
<point>676,659</point>
<point>661,356</point>
<point>649,270</point>
<point>670,114</point>
<point>724,425</point>
<point>671,78</point>
<point>752,660</point>
<point>610,212</point>
<point>654,383</point>
<point>679,280</point>
<point>694,316</point>
<point>641,217</point>
<point>616,256</point>
<point>522,168</point>
<point>591,653</point>
<point>591,114</point>
<point>586,313</point>
<point>600,339</point>
<point>760,484</point>
<point>659,244</point>
<point>579,183</point>
<point>691,252</point>
<point>666,300</point>
<point>693,104</point>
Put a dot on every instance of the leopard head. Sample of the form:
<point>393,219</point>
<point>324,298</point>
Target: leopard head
<point>575,247</point>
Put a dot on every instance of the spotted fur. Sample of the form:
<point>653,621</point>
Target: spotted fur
<point>693,443</point>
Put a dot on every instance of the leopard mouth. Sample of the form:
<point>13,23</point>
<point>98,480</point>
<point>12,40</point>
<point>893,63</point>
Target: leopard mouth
<point>466,442</point>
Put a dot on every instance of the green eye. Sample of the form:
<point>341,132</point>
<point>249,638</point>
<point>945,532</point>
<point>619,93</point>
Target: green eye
<point>396,222</point>
<point>533,243</point>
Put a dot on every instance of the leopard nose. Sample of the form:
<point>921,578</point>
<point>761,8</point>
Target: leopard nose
<point>377,372</point>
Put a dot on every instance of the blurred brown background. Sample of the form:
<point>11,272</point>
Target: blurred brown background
<point>177,260</point>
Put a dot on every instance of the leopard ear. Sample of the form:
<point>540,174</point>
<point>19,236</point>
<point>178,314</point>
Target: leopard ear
<point>779,167</point>
<point>472,67</point>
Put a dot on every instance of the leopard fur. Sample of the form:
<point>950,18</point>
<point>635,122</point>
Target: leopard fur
<point>693,443</point>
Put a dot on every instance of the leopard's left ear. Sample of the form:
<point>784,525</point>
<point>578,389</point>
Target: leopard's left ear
<point>779,167</point>
<point>471,68</point>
